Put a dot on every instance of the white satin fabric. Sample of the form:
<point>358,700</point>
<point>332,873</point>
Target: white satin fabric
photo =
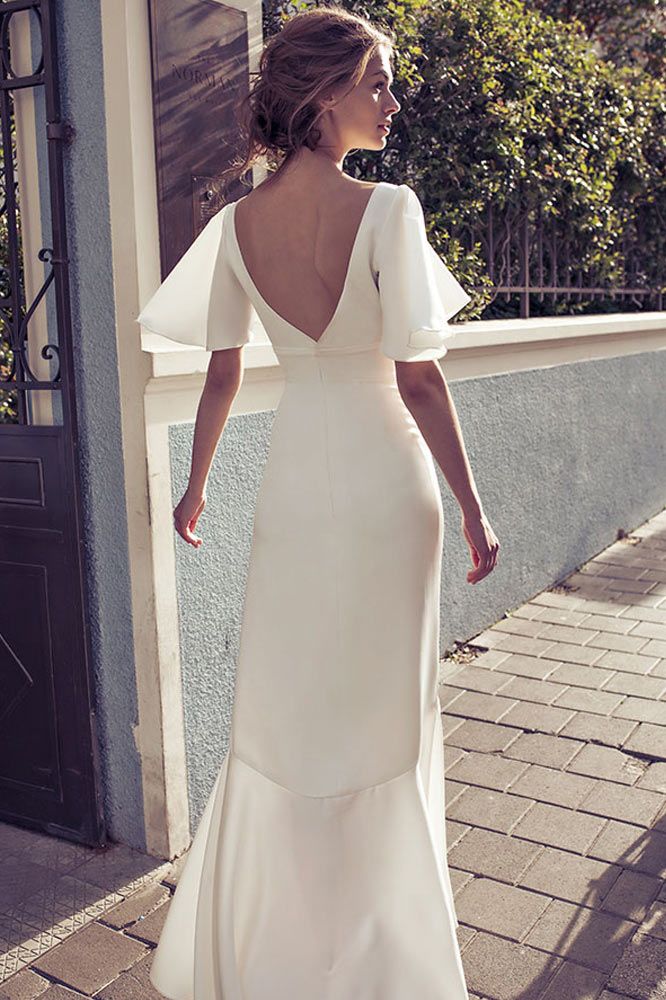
<point>318,870</point>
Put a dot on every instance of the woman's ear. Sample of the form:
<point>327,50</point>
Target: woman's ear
<point>327,101</point>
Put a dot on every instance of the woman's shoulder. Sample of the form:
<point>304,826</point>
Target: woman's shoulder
<point>400,200</point>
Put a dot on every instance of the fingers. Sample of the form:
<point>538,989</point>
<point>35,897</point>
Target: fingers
<point>184,529</point>
<point>185,517</point>
<point>486,565</point>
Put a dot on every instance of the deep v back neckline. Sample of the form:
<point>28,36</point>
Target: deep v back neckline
<point>348,271</point>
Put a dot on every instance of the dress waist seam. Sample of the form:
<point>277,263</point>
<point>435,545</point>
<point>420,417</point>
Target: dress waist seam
<point>318,351</point>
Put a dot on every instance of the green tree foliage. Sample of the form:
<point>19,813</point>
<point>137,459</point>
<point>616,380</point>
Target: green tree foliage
<point>8,397</point>
<point>506,106</point>
<point>629,32</point>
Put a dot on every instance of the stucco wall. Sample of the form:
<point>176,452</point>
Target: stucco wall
<point>563,457</point>
<point>98,405</point>
<point>211,587</point>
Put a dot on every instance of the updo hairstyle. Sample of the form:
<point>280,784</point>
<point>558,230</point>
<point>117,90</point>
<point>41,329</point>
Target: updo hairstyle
<point>314,52</point>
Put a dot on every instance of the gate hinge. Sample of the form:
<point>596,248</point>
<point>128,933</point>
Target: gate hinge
<point>60,130</point>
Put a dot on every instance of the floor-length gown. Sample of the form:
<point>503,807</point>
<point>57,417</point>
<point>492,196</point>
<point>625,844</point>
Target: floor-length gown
<point>318,869</point>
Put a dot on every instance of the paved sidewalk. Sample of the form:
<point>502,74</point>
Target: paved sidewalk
<point>555,751</point>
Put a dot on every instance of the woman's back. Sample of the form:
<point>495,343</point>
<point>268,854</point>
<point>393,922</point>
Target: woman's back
<point>297,243</point>
<point>392,291</point>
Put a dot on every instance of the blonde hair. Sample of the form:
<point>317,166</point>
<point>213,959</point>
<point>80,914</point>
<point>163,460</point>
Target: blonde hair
<point>315,51</point>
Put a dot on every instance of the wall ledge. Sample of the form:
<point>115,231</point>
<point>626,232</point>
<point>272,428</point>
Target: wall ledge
<point>487,347</point>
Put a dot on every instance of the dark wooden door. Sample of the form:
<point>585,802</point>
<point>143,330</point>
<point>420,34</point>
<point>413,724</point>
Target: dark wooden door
<point>49,764</point>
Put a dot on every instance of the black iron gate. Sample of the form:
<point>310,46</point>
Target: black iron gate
<point>49,768</point>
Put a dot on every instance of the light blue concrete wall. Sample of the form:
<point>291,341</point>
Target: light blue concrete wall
<point>211,588</point>
<point>563,457</point>
<point>98,404</point>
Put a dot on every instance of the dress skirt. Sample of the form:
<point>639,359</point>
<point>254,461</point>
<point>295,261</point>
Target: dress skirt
<point>318,869</point>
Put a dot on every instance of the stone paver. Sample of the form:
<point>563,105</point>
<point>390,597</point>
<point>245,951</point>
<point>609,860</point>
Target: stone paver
<point>641,685</point>
<point>587,677</point>
<point>594,939</point>
<point>639,974</point>
<point>635,805</point>
<point>552,614</point>
<point>517,626</point>
<point>589,700</point>
<point>531,689</point>
<point>560,827</point>
<point>501,969</point>
<point>597,729</point>
<point>482,736</point>
<point>632,894</point>
<point>526,666</point>
<point>654,777</point>
<point>568,876</point>
<point>606,624</point>
<point>475,705</point>
<point>477,679</point>
<point>488,809</point>
<point>555,761</point>
<point>24,985</point>
<point>500,908</point>
<point>528,645</point>
<point>648,740</point>
<point>642,709</point>
<point>486,852</point>
<point>575,982</point>
<point>91,959</point>
<point>655,647</point>
<point>132,984</point>
<point>636,663</point>
<point>571,652</point>
<point>537,718</point>
<point>655,921</point>
<point>621,643</point>
<point>539,748</point>
<point>136,906</point>
<point>488,770</point>
<point>633,846</point>
<point>607,762</point>
<point>659,670</point>
<point>578,634</point>
<point>547,784</point>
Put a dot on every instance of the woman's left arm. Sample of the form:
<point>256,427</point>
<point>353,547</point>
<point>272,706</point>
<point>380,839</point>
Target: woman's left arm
<point>426,395</point>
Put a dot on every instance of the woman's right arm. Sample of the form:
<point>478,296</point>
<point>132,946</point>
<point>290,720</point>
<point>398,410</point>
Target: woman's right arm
<point>223,380</point>
<point>426,395</point>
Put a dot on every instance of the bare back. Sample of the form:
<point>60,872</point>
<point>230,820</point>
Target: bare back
<point>297,246</point>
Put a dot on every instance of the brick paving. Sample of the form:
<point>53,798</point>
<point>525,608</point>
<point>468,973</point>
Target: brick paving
<point>555,759</point>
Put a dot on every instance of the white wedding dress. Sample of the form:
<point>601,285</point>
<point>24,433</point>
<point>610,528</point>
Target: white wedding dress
<point>318,870</point>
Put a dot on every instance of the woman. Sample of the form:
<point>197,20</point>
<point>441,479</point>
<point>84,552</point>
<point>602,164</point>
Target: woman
<point>318,870</point>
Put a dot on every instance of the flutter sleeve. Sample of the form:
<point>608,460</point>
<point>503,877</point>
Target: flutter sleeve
<point>418,294</point>
<point>201,301</point>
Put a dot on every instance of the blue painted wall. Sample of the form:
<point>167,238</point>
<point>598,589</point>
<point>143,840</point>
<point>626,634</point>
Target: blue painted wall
<point>563,457</point>
<point>211,588</point>
<point>98,403</point>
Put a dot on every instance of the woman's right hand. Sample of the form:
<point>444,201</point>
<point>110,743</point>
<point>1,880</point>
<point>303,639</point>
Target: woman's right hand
<point>483,546</point>
<point>186,515</point>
